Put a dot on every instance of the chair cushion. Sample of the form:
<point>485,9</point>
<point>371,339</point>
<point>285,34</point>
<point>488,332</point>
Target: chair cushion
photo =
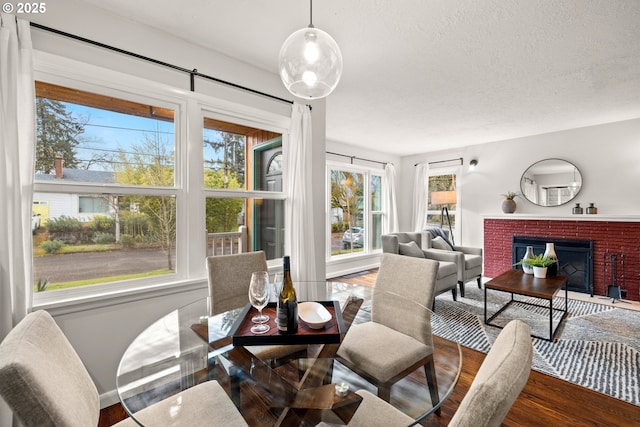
<point>446,269</point>
<point>410,249</point>
<point>440,243</point>
<point>206,404</point>
<point>42,377</point>
<point>500,379</point>
<point>395,351</point>
<point>472,261</point>
<point>374,411</point>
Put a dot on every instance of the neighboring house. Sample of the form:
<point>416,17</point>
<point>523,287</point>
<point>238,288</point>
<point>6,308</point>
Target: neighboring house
<point>81,206</point>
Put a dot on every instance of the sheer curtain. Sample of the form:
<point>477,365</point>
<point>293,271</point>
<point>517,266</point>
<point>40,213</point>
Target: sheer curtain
<point>420,196</point>
<point>299,212</point>
<point>391,223</point>
<point>17,151</point>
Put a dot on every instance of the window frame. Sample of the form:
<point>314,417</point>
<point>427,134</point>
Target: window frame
<point>367,217</point>
<point>188,186</point>
<point>447,170</point>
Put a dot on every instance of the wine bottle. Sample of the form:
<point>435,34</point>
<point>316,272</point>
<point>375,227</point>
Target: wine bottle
<point>287,303</point>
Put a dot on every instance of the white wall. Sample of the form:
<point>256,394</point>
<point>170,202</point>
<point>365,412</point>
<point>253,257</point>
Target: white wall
<point>608,157</point>
<point>101,332</point>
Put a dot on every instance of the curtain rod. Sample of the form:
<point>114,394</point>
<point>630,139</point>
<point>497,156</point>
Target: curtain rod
<point>192,73</point>
<point>357,158</point>
<point>459,159</point>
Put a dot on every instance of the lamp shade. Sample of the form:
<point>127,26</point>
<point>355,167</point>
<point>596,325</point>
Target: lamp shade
<point>444,197</point>
<point>310,63</point>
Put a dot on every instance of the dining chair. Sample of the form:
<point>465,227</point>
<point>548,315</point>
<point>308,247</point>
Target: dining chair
<point>500,379</point>
<point>45,383</point>
<point>398,339</point>
<point>229,279</point>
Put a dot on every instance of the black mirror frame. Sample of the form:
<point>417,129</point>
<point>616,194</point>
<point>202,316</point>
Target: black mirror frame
<point>545,160</point>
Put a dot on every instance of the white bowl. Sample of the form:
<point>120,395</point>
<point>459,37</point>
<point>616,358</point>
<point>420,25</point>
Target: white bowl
<point>313,314</point>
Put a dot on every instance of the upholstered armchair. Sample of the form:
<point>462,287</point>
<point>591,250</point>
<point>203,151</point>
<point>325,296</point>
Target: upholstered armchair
<point>468,260</point>
<point>412,244</point>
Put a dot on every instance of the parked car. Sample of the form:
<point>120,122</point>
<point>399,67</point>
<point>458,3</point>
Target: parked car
<point>355,235</point>
<point>35,223</point>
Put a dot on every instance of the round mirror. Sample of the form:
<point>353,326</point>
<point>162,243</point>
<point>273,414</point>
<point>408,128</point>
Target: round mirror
<point>551,182</point>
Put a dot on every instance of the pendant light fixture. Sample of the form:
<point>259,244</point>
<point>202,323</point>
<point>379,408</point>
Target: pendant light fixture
<point>310,62</point>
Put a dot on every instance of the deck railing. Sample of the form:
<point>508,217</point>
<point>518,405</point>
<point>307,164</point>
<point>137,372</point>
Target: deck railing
<point>233,242</point>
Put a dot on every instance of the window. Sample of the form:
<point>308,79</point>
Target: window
<point>443,198</point>
<point>356,211</point>
<point>94,204</point>
<point>243,175</point>
<point>88,143</point>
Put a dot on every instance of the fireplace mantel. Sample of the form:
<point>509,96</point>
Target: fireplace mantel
<point>611,234</point>
<point>584,217</point>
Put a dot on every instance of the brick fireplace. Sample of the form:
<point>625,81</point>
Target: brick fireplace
<point>609,235</point>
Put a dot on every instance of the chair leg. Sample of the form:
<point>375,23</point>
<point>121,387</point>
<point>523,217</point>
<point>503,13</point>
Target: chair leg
<point>479,282</point>
<point>430,372</point>
<point>384,392</point>
<point>454,292</point>
<point>461,288</point>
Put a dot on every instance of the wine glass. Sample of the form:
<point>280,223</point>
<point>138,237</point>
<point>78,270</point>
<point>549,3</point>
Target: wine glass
<point>259,297</point>
<point>278,279</point>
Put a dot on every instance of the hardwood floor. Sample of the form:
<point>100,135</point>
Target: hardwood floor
<point>545,401</point>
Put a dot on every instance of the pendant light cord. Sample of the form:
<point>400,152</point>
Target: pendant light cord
<point>310,13</point>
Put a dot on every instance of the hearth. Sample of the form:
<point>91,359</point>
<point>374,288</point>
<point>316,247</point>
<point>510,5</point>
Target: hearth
<point>575,258</point>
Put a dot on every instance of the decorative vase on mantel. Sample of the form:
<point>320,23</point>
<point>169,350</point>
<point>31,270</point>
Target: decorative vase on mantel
<point>526,268</point>
<point>508,204</point>
<point>550,252</point>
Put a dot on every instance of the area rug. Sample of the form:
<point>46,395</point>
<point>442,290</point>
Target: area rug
<point>596,346</point>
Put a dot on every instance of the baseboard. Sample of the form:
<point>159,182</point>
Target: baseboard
<point>108,399</point>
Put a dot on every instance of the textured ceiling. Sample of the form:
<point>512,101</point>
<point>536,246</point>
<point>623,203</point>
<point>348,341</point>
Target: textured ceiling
<point>425,75</point>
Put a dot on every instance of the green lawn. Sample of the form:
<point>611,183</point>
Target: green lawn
<point>76,283</point>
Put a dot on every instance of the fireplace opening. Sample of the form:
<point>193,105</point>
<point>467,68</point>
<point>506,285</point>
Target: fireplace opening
<point>575,258</point>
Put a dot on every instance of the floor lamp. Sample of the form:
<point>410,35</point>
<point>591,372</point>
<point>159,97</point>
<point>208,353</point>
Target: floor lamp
<point>448,197</point>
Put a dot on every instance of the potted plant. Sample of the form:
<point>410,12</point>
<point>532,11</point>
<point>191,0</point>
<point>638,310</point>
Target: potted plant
<point>540,263</point>
<point>509,204</point>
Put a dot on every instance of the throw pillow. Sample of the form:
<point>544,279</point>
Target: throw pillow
<point>435,232</point>
<point>440,243</point>
<point>410,249</point>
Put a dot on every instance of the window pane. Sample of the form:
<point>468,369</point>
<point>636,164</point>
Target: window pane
<point>347,212</point>
<point>376,231</point>
<point>376,193</point>
<point>442,193</point>
<point>241,157</point>
<point>236,225</point>
<point>133,238</point>
<point>91,138</point>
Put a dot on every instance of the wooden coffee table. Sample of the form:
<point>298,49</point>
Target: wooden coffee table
<point>517,283</point>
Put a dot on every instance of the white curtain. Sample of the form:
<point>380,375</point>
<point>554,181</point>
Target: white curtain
<point>391,223</point>
<point>300,239</point>
<point>420,196</point>
<point>17,151</point>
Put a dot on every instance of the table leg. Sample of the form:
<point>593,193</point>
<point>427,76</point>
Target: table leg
<point>551,319</point>
<point>485,304</point>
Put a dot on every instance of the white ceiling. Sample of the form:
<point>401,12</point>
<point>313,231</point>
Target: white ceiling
<point>425,75</point>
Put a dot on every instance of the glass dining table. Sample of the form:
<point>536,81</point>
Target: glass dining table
<point>188,346</point>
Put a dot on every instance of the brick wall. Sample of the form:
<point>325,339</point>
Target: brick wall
<point>607,236</point>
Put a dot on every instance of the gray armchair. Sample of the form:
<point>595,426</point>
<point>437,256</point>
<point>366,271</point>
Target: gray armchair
<point>468,260</point>
<point>412,244</point>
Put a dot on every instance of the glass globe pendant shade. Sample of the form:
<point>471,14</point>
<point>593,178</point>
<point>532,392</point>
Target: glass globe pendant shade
<point>310,63</point>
